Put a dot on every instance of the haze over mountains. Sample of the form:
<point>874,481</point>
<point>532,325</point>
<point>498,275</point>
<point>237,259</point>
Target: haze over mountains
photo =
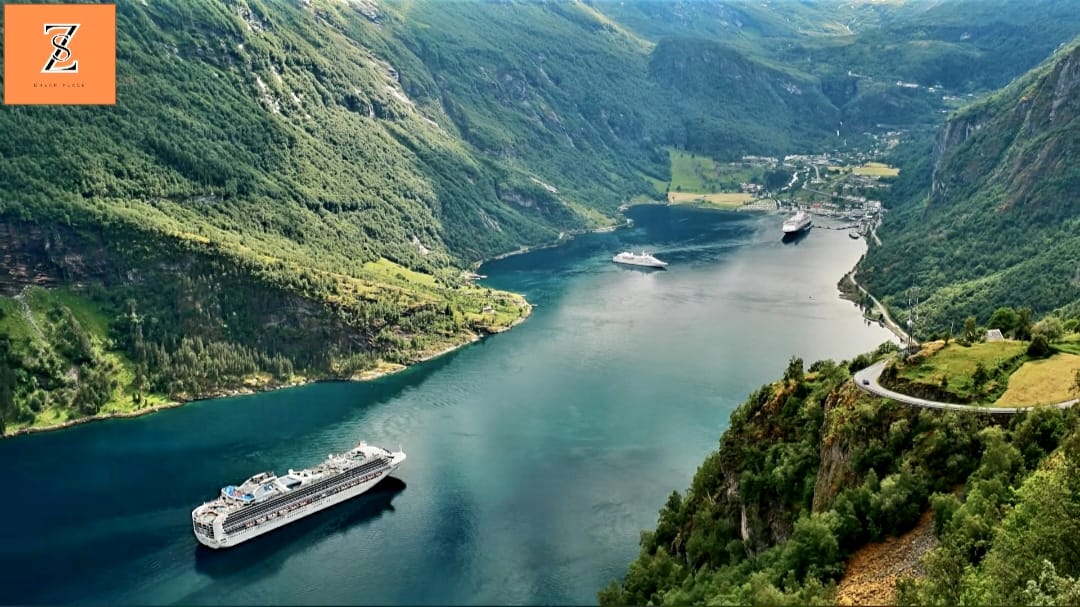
<point>344,161</point>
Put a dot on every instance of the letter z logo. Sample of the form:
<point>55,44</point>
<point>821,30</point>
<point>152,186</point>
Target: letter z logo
<point>61,53</point>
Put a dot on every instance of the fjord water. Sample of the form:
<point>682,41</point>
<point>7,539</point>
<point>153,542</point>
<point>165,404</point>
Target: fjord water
<point>535,456</point>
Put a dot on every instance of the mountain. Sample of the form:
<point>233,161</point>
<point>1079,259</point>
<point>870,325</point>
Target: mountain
<point>264,202</point>
<point>288,191</point>
<point>811,470</point>
<point>713,87</point>
<point>996,224</point>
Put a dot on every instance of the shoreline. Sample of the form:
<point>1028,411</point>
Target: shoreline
<point>362,376</point>
<point>889,323</point>
<point>561,240</point>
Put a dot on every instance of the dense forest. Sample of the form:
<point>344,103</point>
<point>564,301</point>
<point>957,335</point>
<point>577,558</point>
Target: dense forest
<point>811,469</point>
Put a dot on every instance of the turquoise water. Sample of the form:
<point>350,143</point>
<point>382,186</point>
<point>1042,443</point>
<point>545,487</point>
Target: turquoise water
<point>535,456</point>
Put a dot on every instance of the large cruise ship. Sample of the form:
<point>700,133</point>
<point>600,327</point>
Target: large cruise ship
<point>633,259</point>
<point>797,223</point>
<point>266,501</point>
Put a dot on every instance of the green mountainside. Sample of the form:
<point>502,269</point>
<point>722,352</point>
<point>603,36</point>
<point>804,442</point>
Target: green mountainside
<point>812,469</point>
<point>287,191</point>
<point>996,222</point>
<point>263,188</point>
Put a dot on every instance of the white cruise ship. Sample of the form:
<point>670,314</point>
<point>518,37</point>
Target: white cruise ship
<point>634,259</point>
<point>266,501</point>
<point>797,223</point>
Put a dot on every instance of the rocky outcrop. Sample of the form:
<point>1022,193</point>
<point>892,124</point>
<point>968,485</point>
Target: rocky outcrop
<point>956,132</point>
<point>33,254</point>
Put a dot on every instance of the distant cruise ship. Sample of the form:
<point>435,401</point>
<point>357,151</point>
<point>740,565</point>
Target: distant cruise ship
<point>633,259</point>
<point>265,501</point>
<point>797,223</point>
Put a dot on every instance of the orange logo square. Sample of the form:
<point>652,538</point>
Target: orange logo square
<point>60,54</point>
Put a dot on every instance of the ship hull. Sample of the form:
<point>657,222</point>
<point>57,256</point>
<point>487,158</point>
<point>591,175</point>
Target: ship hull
<point>642,264</point>
<point>239,537</point>
<point>797,229</point>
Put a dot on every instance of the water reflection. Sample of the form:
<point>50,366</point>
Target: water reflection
<point>795,238</point>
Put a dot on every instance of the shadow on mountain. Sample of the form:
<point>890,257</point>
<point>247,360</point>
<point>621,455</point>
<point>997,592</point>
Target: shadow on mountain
<point>795,238</point>
<point>266,553</point>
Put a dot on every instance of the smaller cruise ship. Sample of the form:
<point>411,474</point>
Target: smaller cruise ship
<point>642,259</point>
<point>797,223</point>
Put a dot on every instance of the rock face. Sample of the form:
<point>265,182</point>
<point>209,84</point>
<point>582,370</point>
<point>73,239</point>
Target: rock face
<point>1016,139</point>
<point>32,254</point>
<point>955,133</point>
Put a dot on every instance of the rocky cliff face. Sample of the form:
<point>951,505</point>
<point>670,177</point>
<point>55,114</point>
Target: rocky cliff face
<point>953,135</point>
<point>32,254</point>
<point>1028,136</point>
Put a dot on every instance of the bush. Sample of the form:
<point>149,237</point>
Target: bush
<point>1039,347</point>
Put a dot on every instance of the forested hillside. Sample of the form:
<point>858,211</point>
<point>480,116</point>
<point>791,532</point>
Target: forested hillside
<point>995,221</point>
<point>287,190</point>
<point>811,469</point>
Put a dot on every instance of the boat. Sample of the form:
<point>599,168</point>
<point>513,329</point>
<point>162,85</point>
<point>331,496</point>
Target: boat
<point>265,501</point>
<point>854,234</point>
<point>643,259</point>
<point>797,223</point>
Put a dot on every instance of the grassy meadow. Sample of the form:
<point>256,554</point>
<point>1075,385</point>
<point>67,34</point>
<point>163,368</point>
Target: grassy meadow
<point>1042,382</point>
<point>721,200</point>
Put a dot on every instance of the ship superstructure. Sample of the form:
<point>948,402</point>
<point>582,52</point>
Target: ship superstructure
<point>643,259</point>
<point>797,223</point>
<point>266,501</point>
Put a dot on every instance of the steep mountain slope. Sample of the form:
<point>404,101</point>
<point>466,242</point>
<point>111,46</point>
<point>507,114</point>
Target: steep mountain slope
<point>290,190</point>
<point>999,223</point>
<point>263,190</point>
<point>713,88</point>
<point>552,89</point>
<point>858,51</point>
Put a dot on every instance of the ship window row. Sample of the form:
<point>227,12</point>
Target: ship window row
<point>276,502</point>
<point>248,521</point>
<point>237,526</point>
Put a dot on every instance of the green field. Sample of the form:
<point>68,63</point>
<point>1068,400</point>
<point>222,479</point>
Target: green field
<point>1070,344</point>
<point>1042,382</point>
<point>722,200</point>
<point>694,173</point>
<point>957,364</point>
<point>876,169</point>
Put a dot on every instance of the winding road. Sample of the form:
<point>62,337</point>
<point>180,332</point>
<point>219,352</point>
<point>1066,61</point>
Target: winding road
<point>889,322</point>
<point>867,380</point>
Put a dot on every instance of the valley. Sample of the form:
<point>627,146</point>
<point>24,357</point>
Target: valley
<point>335,198</point>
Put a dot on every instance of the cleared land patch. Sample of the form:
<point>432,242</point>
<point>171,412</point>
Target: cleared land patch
<point>955,360</point>
<point>876,169</point>
<point>951,369</point>
<point>721,200</point>
<point>1042,382</point>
